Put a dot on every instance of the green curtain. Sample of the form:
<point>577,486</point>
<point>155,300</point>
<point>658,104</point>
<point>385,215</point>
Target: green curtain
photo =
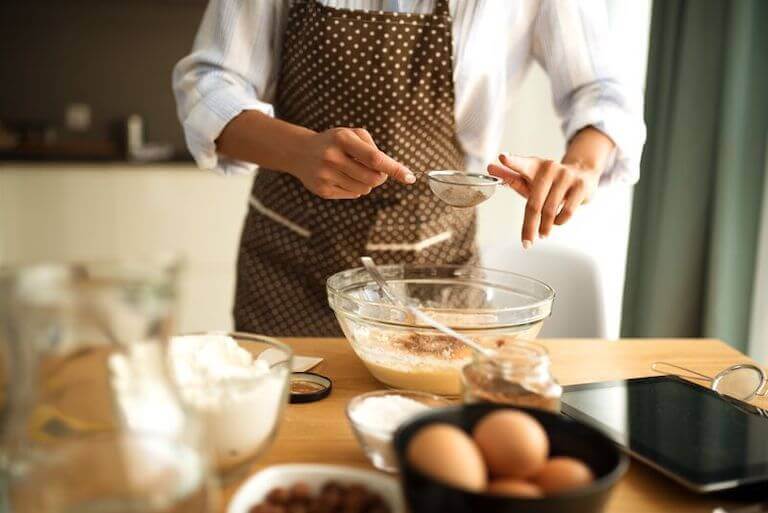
<point>693,242</point>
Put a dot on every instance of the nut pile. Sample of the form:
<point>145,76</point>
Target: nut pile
<point>334,497</point>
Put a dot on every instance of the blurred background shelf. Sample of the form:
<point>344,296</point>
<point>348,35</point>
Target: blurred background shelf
<point>113,57</point>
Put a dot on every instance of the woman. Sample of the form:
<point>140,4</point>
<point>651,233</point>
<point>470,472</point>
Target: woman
<point>342,104</point>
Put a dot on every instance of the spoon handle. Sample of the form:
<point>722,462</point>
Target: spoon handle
<point>370,266</point>
<point>427,319</point>
<point>380,281</point>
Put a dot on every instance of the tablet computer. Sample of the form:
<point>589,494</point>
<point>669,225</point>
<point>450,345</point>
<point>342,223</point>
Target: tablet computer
<point>703,440</point>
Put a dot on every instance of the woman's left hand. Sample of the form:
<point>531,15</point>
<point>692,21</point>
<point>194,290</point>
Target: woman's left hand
<point>554,190</point>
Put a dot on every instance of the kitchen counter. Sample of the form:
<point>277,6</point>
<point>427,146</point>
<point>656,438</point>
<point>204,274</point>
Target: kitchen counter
<point>319,432</point>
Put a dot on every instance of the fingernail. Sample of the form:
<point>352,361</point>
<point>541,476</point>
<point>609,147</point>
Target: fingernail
<point>409,177</point>
<point>543,235</point>
<point>527,244</point>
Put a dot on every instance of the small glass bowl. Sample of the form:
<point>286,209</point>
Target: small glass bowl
<point>240,417</point>
<point>377,442</point>
<point>462,190</point>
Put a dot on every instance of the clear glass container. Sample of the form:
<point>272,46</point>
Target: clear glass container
<point>488,305</point>
<point>376,441</point>
<point>92,421</point>
<point>519,375</point>
<point>240,416</point>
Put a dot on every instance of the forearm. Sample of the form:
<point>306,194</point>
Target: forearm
<point>589,150</point>
<point>338,163</point>
<point>256,137</point>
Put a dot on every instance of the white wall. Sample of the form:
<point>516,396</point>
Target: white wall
<point>93,211</point>
<point>758,335</point>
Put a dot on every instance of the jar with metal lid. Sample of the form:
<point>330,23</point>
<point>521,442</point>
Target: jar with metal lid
<point>517,374</point>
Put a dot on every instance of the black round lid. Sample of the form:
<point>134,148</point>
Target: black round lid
<point>308,387</point>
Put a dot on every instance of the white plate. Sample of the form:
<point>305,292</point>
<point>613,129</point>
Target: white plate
<point>255,488</point>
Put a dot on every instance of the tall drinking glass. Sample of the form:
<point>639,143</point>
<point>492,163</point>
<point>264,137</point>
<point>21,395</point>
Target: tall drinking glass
<point>90,421</point>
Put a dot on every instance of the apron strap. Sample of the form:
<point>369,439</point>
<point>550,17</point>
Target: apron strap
<point>441,8</point>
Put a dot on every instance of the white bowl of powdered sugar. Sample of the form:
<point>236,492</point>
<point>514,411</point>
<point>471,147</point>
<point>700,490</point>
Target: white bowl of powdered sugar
<point>375,416</point>
<point>237,384</point>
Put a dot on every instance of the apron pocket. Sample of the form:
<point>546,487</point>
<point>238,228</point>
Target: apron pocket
<point>275,238</point>
<point>410,246</point>
<point>259,207</point>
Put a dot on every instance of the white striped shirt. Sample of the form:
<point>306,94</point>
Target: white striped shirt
<point>236,59</point>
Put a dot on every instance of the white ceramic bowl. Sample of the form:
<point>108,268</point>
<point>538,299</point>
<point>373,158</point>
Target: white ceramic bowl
<point>255,489</point>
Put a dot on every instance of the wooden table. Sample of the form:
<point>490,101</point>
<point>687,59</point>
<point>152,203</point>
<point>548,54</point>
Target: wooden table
<point>319,432</point>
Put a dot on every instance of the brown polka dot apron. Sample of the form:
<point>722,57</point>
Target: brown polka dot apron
<point>392,74</point>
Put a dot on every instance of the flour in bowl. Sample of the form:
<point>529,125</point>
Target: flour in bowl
<point>386,413</point>
<point>238,397</point>
<point>375,418</point>
<point>207,360</point>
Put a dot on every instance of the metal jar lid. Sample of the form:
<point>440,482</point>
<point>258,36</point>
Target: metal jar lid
<point>308,387</point>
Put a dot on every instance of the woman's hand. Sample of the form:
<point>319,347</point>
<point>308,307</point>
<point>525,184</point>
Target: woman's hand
<point>554,190</point>
<point>344,163</point>
<point>340,163</point>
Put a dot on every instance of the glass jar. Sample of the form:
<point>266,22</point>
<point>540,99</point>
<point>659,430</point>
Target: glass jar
<point>518,374</point>
<point>240,414</point>
<point>91,419</point>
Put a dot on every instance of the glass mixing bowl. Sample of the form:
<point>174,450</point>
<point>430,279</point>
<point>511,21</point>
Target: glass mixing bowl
<point>486,304</point>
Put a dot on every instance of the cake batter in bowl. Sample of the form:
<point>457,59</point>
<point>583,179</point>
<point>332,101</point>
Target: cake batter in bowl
<point>488,305</point>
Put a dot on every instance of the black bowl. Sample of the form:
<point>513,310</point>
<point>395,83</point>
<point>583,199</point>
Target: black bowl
<point>566,437</point>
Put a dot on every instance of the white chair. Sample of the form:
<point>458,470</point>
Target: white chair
<point>579,308</point>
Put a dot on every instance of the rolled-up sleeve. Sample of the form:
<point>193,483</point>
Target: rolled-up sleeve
<point>232,68</point>
<point>572,41</point>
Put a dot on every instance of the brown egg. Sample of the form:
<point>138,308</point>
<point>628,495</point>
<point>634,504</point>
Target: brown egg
<point>514,488</point>
<point>513,444</point>
<point>447,454</point>
<point>561,474</point>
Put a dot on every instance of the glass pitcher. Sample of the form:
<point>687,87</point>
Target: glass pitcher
<point>90,420</point>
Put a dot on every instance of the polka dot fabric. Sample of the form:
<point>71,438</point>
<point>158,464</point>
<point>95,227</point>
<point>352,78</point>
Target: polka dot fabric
<point>392,74</point>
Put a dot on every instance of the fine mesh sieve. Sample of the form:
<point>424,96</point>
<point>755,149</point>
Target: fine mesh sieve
<point>462,190</point>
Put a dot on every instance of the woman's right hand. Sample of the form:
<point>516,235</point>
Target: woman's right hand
<point>344,163</point>
<point>340,163</point>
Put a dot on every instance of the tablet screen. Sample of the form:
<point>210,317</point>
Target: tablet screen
<point>689,431</point>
